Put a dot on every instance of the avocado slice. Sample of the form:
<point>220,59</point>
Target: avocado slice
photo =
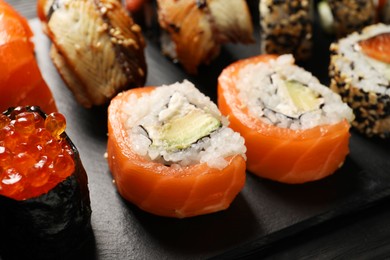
<point>180,132</point>
<point>303,97</point>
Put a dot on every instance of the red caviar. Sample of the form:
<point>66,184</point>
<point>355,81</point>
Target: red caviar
<point>34,157</point>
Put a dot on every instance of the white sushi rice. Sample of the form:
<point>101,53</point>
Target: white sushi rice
<point>260,88</point>
<point>365,73</point>
<point>154,108</point>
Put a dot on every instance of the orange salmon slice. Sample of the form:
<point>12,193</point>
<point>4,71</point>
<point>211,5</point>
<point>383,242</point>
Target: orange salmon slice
<point>377,47</point>
<point>21,82</point>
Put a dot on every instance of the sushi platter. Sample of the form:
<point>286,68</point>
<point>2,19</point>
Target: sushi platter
<point>262,214</point>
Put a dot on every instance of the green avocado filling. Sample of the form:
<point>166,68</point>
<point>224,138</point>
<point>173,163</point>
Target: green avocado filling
<point>181,132</point>
<point>303,98</point>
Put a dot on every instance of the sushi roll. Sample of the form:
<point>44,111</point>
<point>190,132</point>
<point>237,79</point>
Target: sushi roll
<point>193,30</point>
<point>286,27</point>
<point>295,129</point>
<point>171,153</point>
<point>44,197</point>
<point>96,47</point>
<point>342,17</point>
<point>360,72</point>
<point>21,81</point>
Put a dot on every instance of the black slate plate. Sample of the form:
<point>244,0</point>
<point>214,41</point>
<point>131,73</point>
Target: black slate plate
<point>263,213</point>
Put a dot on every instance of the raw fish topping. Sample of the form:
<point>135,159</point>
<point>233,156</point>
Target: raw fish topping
<point>376,51</point>
<point>368,72</point>
<point>34,157</point>
<point>377,47</point>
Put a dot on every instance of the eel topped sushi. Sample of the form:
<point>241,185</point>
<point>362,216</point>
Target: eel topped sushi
<point>360,71</point>
<point>44,197</point>
<point>97,48</point>
<point>171,153</point>
<point>194,30</point>
<point>296,130</point>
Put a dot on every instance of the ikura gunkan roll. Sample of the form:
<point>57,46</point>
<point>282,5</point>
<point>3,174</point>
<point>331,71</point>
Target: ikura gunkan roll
<point>286,27</point>
<point>171,153</point>
<point>360,73</point>
<point>44,197</point>
<point>295,129</point>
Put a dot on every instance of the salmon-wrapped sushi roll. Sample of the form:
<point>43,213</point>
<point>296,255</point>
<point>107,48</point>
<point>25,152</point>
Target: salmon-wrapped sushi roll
<point>44,197</point>
<point>96,47</point>
<point>360,72</point>
<point>21,82</point>
<point>295,129</point>
<point>171,153</point>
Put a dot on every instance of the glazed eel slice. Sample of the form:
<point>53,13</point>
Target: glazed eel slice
<point>97,48</point>
<point>194,30</point>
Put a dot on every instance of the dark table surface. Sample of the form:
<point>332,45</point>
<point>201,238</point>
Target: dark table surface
<point>362,234</point>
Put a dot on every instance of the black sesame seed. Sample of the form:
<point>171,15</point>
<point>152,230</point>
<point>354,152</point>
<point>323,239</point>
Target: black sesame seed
<point>357,98</point>
<point>201,4</point>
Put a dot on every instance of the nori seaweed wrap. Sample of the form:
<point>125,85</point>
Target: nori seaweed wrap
<point>51,225</point>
